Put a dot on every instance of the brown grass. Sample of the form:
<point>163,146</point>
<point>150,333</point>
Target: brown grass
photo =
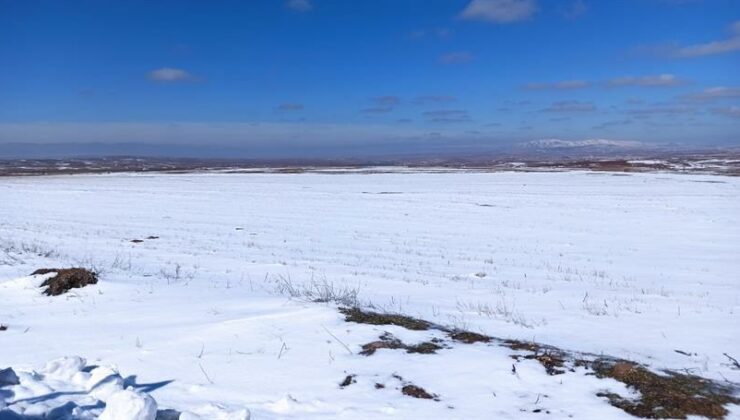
<point>388,341</point>
<point>373,318</point>
<point>672,395</point>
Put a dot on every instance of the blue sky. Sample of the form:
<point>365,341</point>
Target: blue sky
<point>362,72</point>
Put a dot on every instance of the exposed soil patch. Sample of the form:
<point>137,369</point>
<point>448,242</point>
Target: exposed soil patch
<point>66,279</point>
<point>373,318</point>
<point>3,327</point>
<point>136,241</point>
<point>388,341</point>
<point>349,380</point>
<point>417,392</point>
<point>468,337</point>
<point>662,395</point>
<point>152,237</point>
<point>671,395</point>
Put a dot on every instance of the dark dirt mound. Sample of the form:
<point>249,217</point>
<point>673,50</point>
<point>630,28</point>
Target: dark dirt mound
<point>3,327</point>
<point>66,279</point>
<point>417,392</point>
<point>373,318</point>
<point>672,395</point>
<point>349,380</point>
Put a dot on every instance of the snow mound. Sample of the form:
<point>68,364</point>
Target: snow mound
<point>69,388</point>
<point>130,405</point>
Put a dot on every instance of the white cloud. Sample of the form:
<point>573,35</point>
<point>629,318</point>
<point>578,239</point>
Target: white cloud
<point>499,11</point>
<point>168,74</point>
<point>299,5</point>
<point>710,48</point>
<point>647,81</point>
<point>728,45</point>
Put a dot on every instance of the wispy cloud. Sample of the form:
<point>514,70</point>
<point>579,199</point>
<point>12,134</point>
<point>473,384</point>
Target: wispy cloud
<point>458,57</point>
<point>570,106</point>
<point>729,44</point>
<point>387,100</point>
<point>299,5</point>
<point>499,11</point>
<point>714,93</point>
<point>661,80</point>
<point>730,111</point>
<point>612,123</point>
<point>660,109</point>
<point>290,107</point>
<point>377,110</point>
<point>562,85</point>
<point>447,115</point>
<point>170,75</point>
<point>433,99</point>
<point>382,104</point>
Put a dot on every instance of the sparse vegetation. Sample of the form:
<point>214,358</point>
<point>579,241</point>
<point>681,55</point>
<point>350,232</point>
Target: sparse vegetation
<point>359,316</point>
<point>388,341</point>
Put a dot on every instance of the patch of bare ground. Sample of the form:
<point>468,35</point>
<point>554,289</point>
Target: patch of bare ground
<point>374,318</point>
<point>388,341</point>
<point>3,327</point>
<point>66,279</point>
<point>667,394</point>
<point>412,390</point>
<point>468,337</point>
<point>417,392</point>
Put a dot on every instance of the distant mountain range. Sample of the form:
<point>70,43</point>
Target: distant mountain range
<point>587,143</point>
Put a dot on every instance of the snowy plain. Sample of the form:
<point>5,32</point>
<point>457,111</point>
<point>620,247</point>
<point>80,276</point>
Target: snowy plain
<point>635,266</point>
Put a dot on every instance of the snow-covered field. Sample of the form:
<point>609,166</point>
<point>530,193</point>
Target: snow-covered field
<point>633,266</point>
